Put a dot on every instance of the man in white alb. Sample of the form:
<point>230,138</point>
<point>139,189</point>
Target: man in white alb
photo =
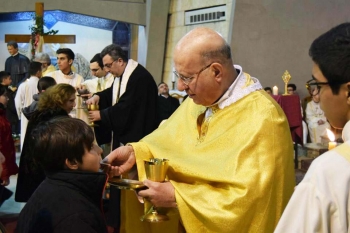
<point>24,95</point>
<point>320,203</point>
<point>65,58</point>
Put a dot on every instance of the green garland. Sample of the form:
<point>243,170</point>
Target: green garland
<point>38,29</point>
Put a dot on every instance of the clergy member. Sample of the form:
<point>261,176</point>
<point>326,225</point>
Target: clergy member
<point>229,146</point>
<point>102,81</point>
<point>131,116</point>
<point>17,64</point>
<point>24,96</point>
<point>320,203</point>
<point>45,61</point>
<point>316,120</point>
<point>65,58</point>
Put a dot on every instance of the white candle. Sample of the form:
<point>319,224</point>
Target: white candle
<point>275,90</point>
<point>332,144</point>
<point>173,77</point>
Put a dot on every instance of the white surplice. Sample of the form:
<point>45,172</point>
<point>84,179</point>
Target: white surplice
<point>99,84</point>
<point>24,98</point>
<point>321,202</point>
<point>314,113</point>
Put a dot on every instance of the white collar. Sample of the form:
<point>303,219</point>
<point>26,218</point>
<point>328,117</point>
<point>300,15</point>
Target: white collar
<point>242,86</point>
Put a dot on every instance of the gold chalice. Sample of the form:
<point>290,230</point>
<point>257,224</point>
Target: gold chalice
<point>286,77</point>
<point>92,107</point>
<point>156,170</point>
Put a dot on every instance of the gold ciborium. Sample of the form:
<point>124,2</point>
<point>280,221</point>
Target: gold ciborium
<point>156,170</point>
<point>286,77</point>
<point>92,107</point>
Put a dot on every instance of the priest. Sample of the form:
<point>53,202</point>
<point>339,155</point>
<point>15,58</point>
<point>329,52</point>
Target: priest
<point>229,146</point>
<point>17,64</point>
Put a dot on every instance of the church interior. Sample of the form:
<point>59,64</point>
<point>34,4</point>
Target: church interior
<point>268,38</point>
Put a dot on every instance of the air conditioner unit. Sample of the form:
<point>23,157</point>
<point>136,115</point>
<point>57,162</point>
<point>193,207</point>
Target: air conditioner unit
<point>206,15</point>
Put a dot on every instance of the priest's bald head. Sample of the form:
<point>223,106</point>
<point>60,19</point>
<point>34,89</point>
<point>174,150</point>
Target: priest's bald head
<point>204,65</point>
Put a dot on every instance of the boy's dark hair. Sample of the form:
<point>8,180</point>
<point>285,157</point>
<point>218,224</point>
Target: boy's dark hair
<point>292,85</point>
<point>59,139</point>
<point>13,44</point>
<point>97,58</point>
<point>3,90</point>
<point>3,75</point>
<point>115,51</point>
<point>34,67</point>
<point>67,51</point>
<point>45,82</point>
<point>331,52</point>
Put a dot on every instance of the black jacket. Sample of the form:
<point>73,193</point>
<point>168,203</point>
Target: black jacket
<point>166,107</point>
<point>66,201</point>
<point>30,174</point>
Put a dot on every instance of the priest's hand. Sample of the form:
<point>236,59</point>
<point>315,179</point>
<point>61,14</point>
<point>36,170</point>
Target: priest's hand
<point>159,194</point>
<point>121,159</point>
<point>94,115</point>
<point>93,100</point>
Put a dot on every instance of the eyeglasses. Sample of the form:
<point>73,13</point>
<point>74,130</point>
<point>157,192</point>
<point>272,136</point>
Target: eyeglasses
<point>109,65</point>
<point>314,86</point>
<point>187,80</point>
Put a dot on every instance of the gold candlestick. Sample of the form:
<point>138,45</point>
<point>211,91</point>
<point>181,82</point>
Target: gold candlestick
<point>286,77</point>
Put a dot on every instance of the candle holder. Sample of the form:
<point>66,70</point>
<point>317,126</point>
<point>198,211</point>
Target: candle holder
<point>173,85</point>
<point>286,77</point>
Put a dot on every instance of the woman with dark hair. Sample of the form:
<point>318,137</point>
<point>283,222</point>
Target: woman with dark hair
<point>58,100</point>
<point>7,148</point>
<point>69,199</point>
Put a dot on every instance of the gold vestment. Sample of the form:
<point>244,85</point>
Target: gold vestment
<point>232,172</point>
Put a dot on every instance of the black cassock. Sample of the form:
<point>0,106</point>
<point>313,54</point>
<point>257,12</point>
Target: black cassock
<point>17,66</point>
<point>132,118</point>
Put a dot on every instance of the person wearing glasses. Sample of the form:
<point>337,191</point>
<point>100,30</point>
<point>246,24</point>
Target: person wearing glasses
<point>131,116</point>
<point>320,203</point>
<point>229,145</point>
<point>102,81</point>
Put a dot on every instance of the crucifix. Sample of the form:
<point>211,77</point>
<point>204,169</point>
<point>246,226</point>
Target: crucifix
<point>22,38</point>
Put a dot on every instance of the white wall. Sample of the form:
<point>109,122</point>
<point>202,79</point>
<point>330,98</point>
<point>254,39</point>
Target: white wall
<point>89,41</point>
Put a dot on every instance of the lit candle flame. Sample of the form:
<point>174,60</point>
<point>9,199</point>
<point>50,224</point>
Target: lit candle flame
<point>330,135</point>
